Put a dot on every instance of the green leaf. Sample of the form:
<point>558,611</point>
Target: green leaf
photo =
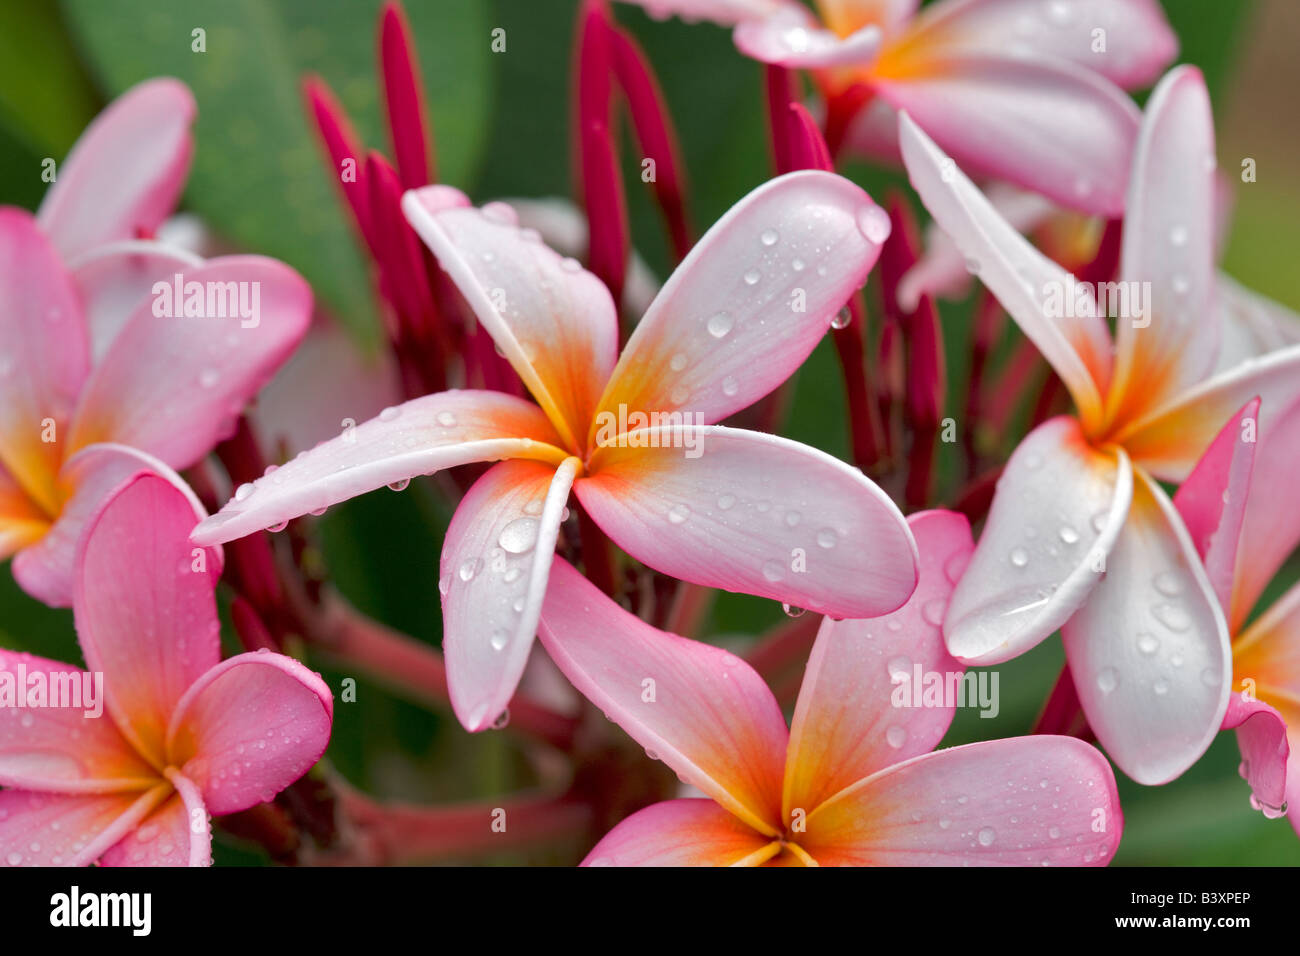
<point>260,177</point>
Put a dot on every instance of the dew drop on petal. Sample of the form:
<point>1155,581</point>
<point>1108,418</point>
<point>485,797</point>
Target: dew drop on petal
<point>752,276</point>
<point>519,536</point>
<point>772,571</point>
<point>730,386</point>
<point>842,318</point>
<point>400,485</point>
<point>827,538</point>
<point>719,324</point>
<point>389,413</point>
<point>987,835</point>
<point>874,224</point>
<point>1107,679</point>
<point>1019,557</point>
<point>727,502</point>
<point>500,637</point>
<point>896,737</point>
<point>677,362</point>
<point>243,491</point>
<point>445,419</point>
<point>769,237</point>
<point>792,611</point>
<point>1148,644</point>
<point>678,513</point>
<point>469,568</point>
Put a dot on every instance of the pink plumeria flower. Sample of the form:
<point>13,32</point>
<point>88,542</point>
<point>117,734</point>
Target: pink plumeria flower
<point>1080,496</point>
<point>98,377</point>
<point>1234,506</point>
<point>853,781</point>
<point>181,734</point>
<point>750,512</point>
<point>1020,90</point>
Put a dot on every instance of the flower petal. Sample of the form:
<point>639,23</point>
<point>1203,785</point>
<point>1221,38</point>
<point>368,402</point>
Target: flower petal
<point>47,569</point>
<point>723,12</point>
<point>554,321</point>
<point>691,832</point>
<point>848,16</point>
<point>172,385</point>
<point>792,38</point>
<point>727,327</point>
<point>700,709</point>
<point>68,749</point>
<point>22,522</point>
<point>419,437</point>
<point>1023,801</point>
<point>1137,41</point>
<point>114,279</point>
<point>1213,500</point>
<point>248,728</point>
<point>126,171</point>
<point>847,723</point>
<point>44,356</point>
<point>1149,651</point>
<point>1059,506</point>
<point>1262,739</point>
<point>1048,126</point>
<point>1168,441</point>
<point>754,513</point>
<point>493,572</point>
<point>56,829</point>
<point>166,837</point>
<point>1168,246</point>
<point>1251,324</point>
<point>146,612</point>
<point>1024,280</point>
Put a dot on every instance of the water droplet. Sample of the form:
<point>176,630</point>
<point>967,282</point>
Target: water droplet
<point>973,266</point>
<point>896,737</point>
<point>243,491</point>
<point>400,485</point>
<point>519,536</point>
<point>719,324</point>
<point>1161,686</point>
<point>678,513</point>
<point>1168,584</point>
<point>730,386</point>
<point>842,318</point>
<point>1098,521</point>
<point>1148,644</point>
<point>677,362</point>
<point>444,583</point>
<point>827,538</point>
<point>445,419</point>
<point>14,858</point>
<point>209,377</point>
<point>987,835</point>
<point>1054,832</point>
<point>278,526</point>
<point>797,265</point>
<point>792,519</point>
<point>1211,677</point>
<point>1180,284</point>
<point>317,512</point>
<point>502,721</point>
<point>1019,557</point>
<point>469,568</point>
<point>500,637</point>
<point>934,610</point>
<point>679,395</point>
<point>1172,616</point>
<point>1107,679</point>
<point>944,823</point>
<point>1068,534</point>
<point>511,575</point>
<point>769,237</point>
<point>389,413</point>
<point>570,265</point>
<point>792,611</point>
<point>752,276</point>
<point>1178,235</point>
<point>772,571</point>
<point>727,502</point>
<point>899,668</point>
<point>874,224</point>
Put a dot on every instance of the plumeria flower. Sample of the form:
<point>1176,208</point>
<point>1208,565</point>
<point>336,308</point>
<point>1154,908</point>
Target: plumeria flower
<point>698,501</point>
<point>1019,90</point>
<point>1080,534</point>
<point>1230,504</point>
<point>853,781</point>
<point>181,733</point>
<point>98,376</point>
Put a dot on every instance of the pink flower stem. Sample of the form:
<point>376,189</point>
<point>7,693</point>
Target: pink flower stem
<point>864,415</point>
<point>597,555</point>
<point>990,320</point>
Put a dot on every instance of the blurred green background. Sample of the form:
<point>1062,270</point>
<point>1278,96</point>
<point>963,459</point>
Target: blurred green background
<point>501,129</point>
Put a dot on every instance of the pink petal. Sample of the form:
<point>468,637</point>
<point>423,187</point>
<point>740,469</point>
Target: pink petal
<point>145,615</point>
<point>125,174</point>
<point>166,837</point>
<point>248,728</point>
<point>171,385</point>
<point>493,573</point>
<point>22,522</point>
<point>419,437</point>
<point>114,279</point>
<point>1168,245</point>
<point>1025,281</point>
<point>1213,500</point>
<point>56,829</point>
<point>1051,127</point>
<point>1149,651</point>
<point>700,709</point>
<point>46,570</point>
<point>1138,41</point>
<point>723,12</point>
<point>689,832</point>
<point>725,330</point>
<point>1262,738</point>
<point>1169,441</point>
<point>1024,801</point>
<point>845,16</point>
<point>1251,324</point>
<point>792,38</point>
<point>403,95</point>
<point>848,723</point>
<point>554,321</point>
<point>65,749</point>
<point>44,356</point>
<point>754,513</point>
<point>1058,509</point>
